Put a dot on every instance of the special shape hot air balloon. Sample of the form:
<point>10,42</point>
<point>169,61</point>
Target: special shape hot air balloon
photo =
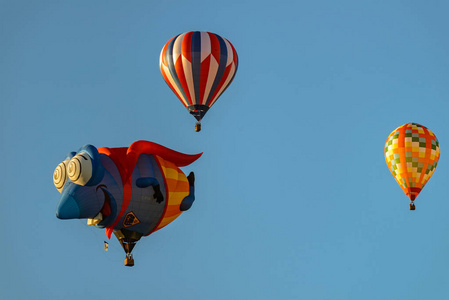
<point>198,66</point>
<point>412,152</point>
<point>131,191</point>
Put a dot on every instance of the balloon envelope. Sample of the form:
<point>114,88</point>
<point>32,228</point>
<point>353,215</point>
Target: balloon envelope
<point>412,152</point>
<point>139,188</point>
<point>198,66</point>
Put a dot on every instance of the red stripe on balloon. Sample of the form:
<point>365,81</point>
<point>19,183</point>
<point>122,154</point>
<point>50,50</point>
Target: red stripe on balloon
<point>179,68</point>
<point>214,46</point>
<point>205,66</point>
<point>187,46</point>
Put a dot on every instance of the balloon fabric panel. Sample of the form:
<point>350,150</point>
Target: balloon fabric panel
<point>412,152</point>
<point>177,188</point>
<point>148,212</point>
<point>169,70</point>
<point>227,57</point>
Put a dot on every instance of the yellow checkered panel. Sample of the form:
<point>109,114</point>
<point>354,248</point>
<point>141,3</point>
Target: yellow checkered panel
<point>177,187</point>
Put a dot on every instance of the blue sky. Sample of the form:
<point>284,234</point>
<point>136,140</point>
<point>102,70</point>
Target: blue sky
<point>293,196</point>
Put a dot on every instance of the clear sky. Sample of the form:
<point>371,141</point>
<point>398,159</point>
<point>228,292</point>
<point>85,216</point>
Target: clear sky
<point>293,196</point>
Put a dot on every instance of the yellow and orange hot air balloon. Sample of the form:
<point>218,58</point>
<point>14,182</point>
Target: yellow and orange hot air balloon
<point>412,152</point>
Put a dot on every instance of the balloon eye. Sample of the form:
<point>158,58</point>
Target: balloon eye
<point>79,168</point>
<point>60,175</point>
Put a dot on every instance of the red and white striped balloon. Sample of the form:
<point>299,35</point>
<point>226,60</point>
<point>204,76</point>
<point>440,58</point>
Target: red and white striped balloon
<point>198,66</point>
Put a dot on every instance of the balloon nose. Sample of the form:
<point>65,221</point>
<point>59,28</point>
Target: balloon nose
<point>68,209</point>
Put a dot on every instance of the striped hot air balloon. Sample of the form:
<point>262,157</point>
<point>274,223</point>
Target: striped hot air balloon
<point>412,152</point>
<point>198,66</point>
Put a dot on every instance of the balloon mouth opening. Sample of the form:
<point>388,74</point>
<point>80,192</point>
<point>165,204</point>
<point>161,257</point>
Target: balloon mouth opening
<point>413,193</point>
<point>198,111</point>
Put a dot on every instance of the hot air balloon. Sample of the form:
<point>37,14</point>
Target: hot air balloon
<point>198,66</point>
<point>131,191</point>
<point>412,152</point>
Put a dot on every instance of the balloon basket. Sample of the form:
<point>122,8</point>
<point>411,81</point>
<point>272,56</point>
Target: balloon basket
<point>412,206</point>
<point>198,127</point>
<point>129,261</point>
